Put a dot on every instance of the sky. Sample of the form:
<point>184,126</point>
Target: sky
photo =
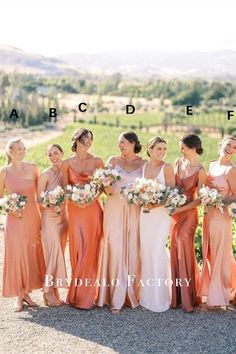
<point>54,27</point>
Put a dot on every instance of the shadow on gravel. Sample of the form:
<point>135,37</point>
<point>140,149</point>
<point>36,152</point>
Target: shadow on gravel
<point>142,331</point>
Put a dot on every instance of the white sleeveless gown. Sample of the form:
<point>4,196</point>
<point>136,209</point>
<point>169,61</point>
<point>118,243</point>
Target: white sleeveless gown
<point>156,272</point>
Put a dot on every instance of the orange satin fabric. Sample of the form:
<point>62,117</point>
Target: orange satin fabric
<point>183,259</point>
<point>54,234</point>
<point>85,234</point>
<point>218,280</point>
<point>24,267</point>
<point>120,259</point>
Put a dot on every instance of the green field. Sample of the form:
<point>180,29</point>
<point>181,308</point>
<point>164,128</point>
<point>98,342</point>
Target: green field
<point>198,119</point>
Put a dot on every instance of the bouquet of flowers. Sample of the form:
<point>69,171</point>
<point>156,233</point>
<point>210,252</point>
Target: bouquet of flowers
<point>12,203</point>
<point>82,193</point>
<point>174,199</point>
<point>105,177</point>
<point>233,210</point>
<point>211,198</point>
<point>55,197</point>
<point>144,191</point>
<point>130,192</point>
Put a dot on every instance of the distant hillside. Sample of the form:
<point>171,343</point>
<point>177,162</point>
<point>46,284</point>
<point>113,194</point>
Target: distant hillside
<point>221,64</point>
<point>209,65</point>
<point>14,59</point>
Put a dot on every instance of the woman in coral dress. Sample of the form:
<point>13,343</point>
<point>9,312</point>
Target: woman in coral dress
<point>218,280</point>
<point>24,267</point>
<point>154,233</point>
<point>53,229</point>
<point>190,177</point>
<point>84,223</point>
<point>120,259</point>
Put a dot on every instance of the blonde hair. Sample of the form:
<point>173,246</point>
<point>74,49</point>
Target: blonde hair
<point>9,147</point>
<point>154,141</point>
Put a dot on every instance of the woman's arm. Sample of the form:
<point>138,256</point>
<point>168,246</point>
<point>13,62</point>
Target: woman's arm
<point>169,175</point>
<point>65,178</point>
<point>112,162</point>
<point>99,163</point>
<point>2,178</point>
<point>231,177</point>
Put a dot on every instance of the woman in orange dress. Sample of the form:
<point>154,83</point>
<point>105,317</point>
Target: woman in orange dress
<point>218,280</point>
<point>85,223</point>
<point>190,177</point>
<point>120,258</point>
<point>24,267</point>
<point>53,229</point>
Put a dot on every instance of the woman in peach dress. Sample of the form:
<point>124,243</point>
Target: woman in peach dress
<point>85,223</point>
<point>24,267</point>
<point>120,259</point>
<point>53,230</point>
<point>218,280</point>
<point>190,177</point>
<point>154,233</point>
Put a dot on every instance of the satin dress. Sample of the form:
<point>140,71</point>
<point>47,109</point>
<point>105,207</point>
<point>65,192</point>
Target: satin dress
<point>54,233</point>
<point>85,235</point>
<point>218,280</point>
<point>184,267</point>
<point>155,258</point>
<point>120,258</point>
<point>24,267</point>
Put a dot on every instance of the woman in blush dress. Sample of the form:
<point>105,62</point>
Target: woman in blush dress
<point>154,232</point>
<point>120,259</point>
<point>84,223</point>
<point>190,176</point>
<point>53,229</point>
<point>24,267</point>
<point>218,280</point>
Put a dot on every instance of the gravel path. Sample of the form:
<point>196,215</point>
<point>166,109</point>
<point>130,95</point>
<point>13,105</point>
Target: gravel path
<point>68,330</point>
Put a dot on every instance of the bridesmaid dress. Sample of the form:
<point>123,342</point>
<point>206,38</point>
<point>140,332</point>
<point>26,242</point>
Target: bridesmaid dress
<point>218,280</point>
<point>85,234</point>
<point>120,259</point>
<point>24,267</point>
<point>184,267</point>
<point>54,234</point>
<point>156,272</point>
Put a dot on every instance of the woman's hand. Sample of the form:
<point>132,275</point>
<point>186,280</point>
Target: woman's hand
<point>55,209</point>
<point>148,206</point>
<point>109,190</point>
<point>177,211</point>
<point>17,214</point>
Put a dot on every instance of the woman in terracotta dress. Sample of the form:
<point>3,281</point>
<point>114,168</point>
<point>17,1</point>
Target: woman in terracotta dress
<point>120,259</point>
<point>154,233</point>
<point>218,280</point>
<point>84,223</point>
<point>190,176</point>
<point>53,229</point>
<point>24,267</point>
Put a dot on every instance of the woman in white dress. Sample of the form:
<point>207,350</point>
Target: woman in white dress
<point>154,232</point>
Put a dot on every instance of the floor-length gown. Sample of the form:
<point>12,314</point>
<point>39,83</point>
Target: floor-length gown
<point>24,267</point>
<point>54,234</point>
<point>85,234</point>
<point>218,280</point>
<point>184,267</point>
<point>120,259</point>
<point>155,260</point>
